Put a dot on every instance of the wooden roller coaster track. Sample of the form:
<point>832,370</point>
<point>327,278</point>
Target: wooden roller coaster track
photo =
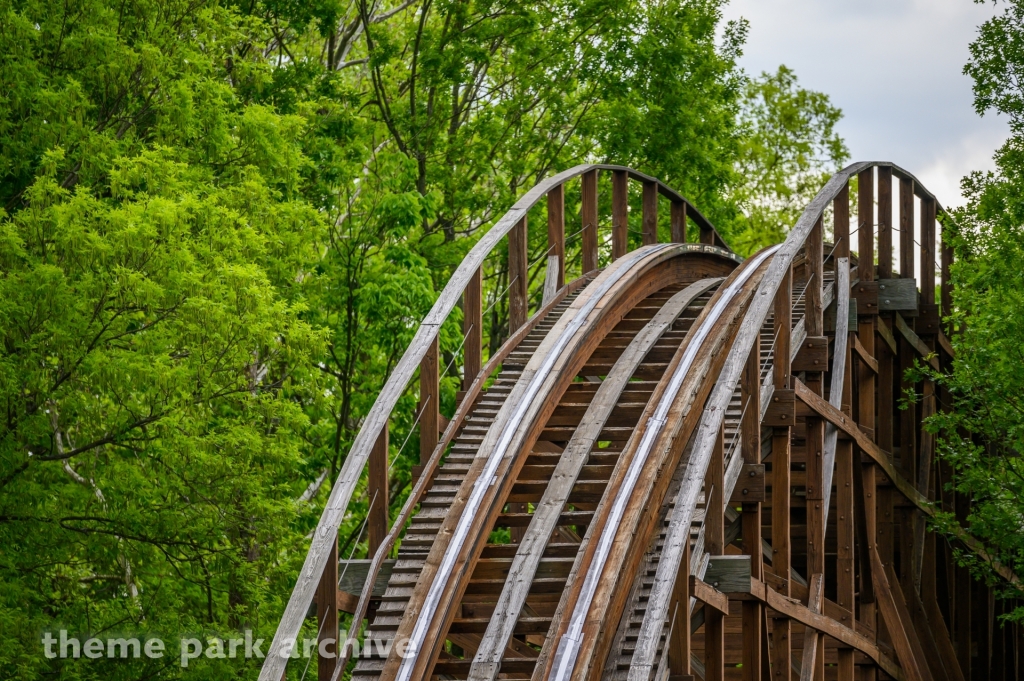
<point>681,465</point>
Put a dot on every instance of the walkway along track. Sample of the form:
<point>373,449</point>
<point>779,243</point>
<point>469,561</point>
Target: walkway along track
<point>682,465</point>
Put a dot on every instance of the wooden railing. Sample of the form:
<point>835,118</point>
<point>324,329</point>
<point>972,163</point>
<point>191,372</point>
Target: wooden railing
<point>370,448</point>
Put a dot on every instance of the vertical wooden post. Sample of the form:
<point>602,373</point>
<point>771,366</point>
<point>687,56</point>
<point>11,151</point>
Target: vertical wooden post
<point>927,252</point>
<point>866,334</point>
<point>518,306</point>
<point>620,213</point>
<point>815,437</point>
<point>845,529</point>
<point>518,257</point>
<point>588,213</point>
<point>556,231</point>
<point>946,284</point>
<point>429,416</point>
<point>750,439</point>
<point>906,228</point>
<point>714,543</point>
<point>678,222</point>
<point>679,646</point>
<point>707,235</point>
<point>884,222</point>
<point>650,206</point>
<point>864,478</point>
<point>472,329</point>
<point>815,255</point>
<point>327,616</point>
<point>781,650</point>
<point>378,521</point>
<point>866,226</point>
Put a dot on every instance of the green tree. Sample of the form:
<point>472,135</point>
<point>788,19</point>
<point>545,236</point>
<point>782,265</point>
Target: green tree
<point>154,254</point>
<point>789,148</point>
<point>983,436</point>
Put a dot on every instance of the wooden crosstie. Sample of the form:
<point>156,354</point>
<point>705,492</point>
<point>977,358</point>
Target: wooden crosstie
<point>698,463</point>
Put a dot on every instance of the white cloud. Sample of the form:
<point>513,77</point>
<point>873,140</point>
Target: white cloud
<point>895,67</point>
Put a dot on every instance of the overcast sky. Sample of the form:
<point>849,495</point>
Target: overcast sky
<point>895,69</point>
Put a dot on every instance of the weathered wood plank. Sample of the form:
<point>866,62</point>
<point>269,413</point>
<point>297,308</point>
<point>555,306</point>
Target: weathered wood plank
<point>509,605</point>
<point>864,355</point>
<point>710,597</point>
<point>916,343</point>
<point>472,329</point>
<point>518,277</point>
<point>886,333</point>
<point>907,230</point>
<point>429,401</point>
<point>556,232</point>
<point>866,224</point>
<point>678,222</point>
<point>911,657</point>
<point>809,662</point>
<point>927,252</point>
<point>588,216</point>
<point>327,618</point>
<point>650,213</point>
<point>377,522</point>
<point>884,222</point>
<point>620,213</point>
<point>795,610</point>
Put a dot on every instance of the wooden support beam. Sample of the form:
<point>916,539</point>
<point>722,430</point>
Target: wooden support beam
<point>904,640</point>
<point>327,616</point>
<point>927,252</point>
<point>885,333</point>
<point>884,222</point>
<point>864,355</point>
<point>906,228</point>
<point>750,441</point>
<point>794,609</point>
<point>679,648</point>
<point>472,329</point>
<point>678,222</point>
<point>866,225</point>
<point>714,543</point>
<point>781,648</point>
<point>650,218</point>
<point>620,213</point>
<point>556,232</point>
<point>946,284</point>
<point>840,420</point>
<point>378,522</point>
<point>812,638</point>
<point>846,569</point>
<point>915,342</point>
<point>518,276</point>
<point>588,216</point>
<point>429,398</point>
<point>709,596</point>
<point>813,318</point>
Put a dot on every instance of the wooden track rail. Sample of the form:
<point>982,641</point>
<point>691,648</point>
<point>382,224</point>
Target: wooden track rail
<point>681,465</point>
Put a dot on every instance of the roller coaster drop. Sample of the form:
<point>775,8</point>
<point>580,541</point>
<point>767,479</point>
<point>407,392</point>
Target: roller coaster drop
<point>700,460</point>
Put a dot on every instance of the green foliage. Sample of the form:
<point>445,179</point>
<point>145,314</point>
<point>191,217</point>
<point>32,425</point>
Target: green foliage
<point>983,437</point>
<point>789,149</point>
<point>221,225</point>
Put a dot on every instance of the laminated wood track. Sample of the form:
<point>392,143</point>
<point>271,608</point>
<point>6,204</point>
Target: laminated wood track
<point>681,465</point>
